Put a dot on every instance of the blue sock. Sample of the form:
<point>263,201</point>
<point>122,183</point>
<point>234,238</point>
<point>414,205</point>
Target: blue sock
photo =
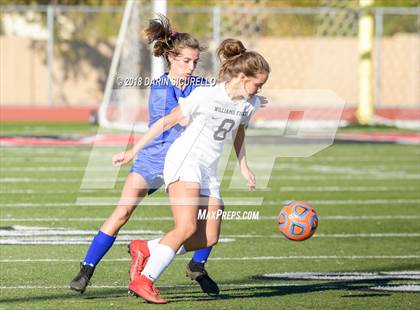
<point>201,256</point>
<point>98,248</point>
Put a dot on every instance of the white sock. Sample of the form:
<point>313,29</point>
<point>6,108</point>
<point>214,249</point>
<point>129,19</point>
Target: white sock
<point>159,260</point>
<point>151,244</point>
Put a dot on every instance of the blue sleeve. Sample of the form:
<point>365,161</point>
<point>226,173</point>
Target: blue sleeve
<point>162,101</point>
<point>157,99</point>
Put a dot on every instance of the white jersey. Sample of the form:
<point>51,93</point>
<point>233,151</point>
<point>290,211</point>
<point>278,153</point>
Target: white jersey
<point>213,117</point>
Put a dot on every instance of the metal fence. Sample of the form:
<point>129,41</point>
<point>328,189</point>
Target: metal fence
<point>60,55</point>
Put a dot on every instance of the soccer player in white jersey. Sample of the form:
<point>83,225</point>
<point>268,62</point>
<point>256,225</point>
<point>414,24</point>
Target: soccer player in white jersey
<point>191,161</point>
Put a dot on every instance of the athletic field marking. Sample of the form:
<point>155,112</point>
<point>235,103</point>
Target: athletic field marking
<point>392,288</point>
<point>335,169</point>
<point>246,258</point>
<point>347,188</point>
<point>114,201</point>
<point>122,240</point>
<point>30,161</point>
<point>125,238</point>
<point>281,189</point>
<point>353,202</point>
<point>397,288</point>
<point>168,218</point>
<point>412,275</point>
<point>60,236</point>
<point>23,231</point>
<point>58,169</point>
<point>228,201</point>
<point>320,173</point>
<point>160,286</point>
<point>288,178</point>
<point>85,151</point>
<point>48,192</point>
<point>320,235</point>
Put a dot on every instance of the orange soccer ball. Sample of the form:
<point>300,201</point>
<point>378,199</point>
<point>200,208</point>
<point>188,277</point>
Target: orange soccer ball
<point>297,221</point>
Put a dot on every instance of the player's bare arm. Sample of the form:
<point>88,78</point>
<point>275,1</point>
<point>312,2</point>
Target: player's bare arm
<point>158,128</point>
<point>239,145</point>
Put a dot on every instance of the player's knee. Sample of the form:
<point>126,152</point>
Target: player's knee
<point>186,231</point>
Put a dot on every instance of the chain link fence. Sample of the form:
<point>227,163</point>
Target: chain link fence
<point>60,55</point>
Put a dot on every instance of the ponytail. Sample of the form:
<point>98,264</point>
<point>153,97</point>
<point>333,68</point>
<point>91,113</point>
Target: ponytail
<point>165,40</point>
<point>236,59</point>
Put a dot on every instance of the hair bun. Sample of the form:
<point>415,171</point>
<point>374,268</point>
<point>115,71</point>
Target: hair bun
<point>230,48</point>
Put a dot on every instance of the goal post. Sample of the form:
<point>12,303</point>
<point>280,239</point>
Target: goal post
<point>365,107</point>
<point>125,100</point>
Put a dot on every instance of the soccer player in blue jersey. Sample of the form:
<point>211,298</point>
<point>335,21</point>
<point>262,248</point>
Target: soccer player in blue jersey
<point>181,52</point>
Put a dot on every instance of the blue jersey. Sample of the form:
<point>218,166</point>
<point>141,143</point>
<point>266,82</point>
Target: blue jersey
<point>163,99</point>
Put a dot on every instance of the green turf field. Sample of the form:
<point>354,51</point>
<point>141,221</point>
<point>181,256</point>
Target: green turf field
<point>367,197</point>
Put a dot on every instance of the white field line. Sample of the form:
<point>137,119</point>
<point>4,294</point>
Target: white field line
<point>281,189</point>
<point>353,202</point>
<point>25,231</point>
<point>288,178</point>
<point>407,162</point>
<point>245,258</point>
<point>316,167</point>
<point>63,239</point>
<point>26,151</point>
<point>348,188</point>
<point>58,169</point>
<point>397,288</point>
<point>339,236</point>
<point>160,286</point>
<point>51,192</point>
<point>60,236</point>
<point>45,180</point>
<point>168,218</point>
<point>252,201</point>
<point>411,275</point>
<point>54,235</point>
<point>122,240</point>
<point>28,160</point>
<point>23,151</point>
<point>393,288</point>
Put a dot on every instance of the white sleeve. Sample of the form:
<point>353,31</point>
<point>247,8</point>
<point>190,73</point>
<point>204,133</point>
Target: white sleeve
<point>189,105</point>
<point>249,111</point>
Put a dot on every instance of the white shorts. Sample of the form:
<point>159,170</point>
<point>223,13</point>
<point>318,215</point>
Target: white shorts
<point>192,172</point>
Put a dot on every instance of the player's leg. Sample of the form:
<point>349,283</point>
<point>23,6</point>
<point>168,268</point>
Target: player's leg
<point>135,189</point>
<point>207,234</point>
<point>184,199</point>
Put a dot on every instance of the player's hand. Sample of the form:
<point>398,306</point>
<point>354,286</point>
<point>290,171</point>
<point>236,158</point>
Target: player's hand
<point>263,101</point>
<point>122,158</point>
<point>250,177</point>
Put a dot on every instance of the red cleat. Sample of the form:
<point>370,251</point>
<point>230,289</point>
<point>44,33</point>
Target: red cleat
<point>139,252</point>
<point>144,288</point>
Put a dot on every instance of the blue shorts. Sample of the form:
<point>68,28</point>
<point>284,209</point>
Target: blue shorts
<point>149,163</point>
